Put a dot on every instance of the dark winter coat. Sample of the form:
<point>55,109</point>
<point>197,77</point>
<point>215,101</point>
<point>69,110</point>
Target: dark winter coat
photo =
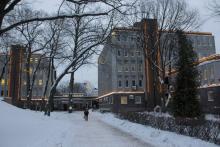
<point>86,112</point>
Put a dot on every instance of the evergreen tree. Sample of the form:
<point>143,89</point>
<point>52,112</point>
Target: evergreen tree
<point>185,102</point>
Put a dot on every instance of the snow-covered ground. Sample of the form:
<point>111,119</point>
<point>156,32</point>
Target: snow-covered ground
<point>25,128</point>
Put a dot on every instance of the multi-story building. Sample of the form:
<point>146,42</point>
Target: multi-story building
<point>121,71</point>
<point>13,84</point>
<point>124,80</point>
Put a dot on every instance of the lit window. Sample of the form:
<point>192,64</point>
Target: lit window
<point>40,82</point>
<point>124,100</point>
<point>25,83</point>
<point>137,99</point>
<point>3,82</point>
<point>30,70</point>
<point>36,60</point>
<point>31,59</point>
<point>113,33</point>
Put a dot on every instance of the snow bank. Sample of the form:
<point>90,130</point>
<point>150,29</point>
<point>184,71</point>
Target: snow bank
<point>212,117</point>
<point>148,134</point>
<point>24,128</point>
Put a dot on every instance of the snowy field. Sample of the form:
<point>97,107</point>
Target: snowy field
<point>25,128</point>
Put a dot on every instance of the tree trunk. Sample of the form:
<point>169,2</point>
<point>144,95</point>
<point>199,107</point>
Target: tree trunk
<point>28,72</point>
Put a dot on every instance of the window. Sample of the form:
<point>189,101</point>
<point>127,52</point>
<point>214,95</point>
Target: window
<point>31,60</point>
<point>133,61</point>
<point>133,68</point>
<point>3,82</point>
<point>36,60</point>
<point>137,99</point>
<point>2,93</point>
<point>118,37</point>
<point>139,67</point>
<point>126,53</point>
<point>131,97</point>
<point>119,83</point>
<point>120,68</point>
<point>198,97</point>
<point>30,70</point>
<point>110,100</point>
<point>210,96</point>
<point>126,69</point>
<point>138,53</point>
<point>124,38</point>
<point>25,83</point>
<point>140,83</point>
<point>124,100</point>
<point>119,53</point>
<point>140,61</point>
<point>132,53</point>
<point>205,74</point>
<point>126,83</point>
<point>40,82</point>
<point>133,83</point>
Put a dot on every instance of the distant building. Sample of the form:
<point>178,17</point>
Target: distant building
<point>124,74</point>
<point>13,83</point>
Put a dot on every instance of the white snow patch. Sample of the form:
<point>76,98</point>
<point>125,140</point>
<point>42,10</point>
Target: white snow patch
<point>212,117</point>
<point>25,128</point>
<point>157,137</point>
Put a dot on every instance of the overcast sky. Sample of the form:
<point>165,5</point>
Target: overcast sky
<point>89,73</point>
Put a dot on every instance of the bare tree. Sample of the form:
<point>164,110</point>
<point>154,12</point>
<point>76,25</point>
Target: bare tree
<point>55,51</point>
<point>81,33</point>
<point>88,33</point>
<point>31,37</point>
<point>8,6</point>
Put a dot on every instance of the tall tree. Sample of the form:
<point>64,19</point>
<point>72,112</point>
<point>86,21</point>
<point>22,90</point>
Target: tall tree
<point>185,102</point>
<point>87,36</point>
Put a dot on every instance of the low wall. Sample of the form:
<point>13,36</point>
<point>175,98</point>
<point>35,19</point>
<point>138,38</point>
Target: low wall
<point>207,130</point>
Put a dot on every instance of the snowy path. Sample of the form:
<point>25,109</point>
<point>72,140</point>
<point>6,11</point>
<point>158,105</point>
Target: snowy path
<point>25,128</point>
<point>99,134</point>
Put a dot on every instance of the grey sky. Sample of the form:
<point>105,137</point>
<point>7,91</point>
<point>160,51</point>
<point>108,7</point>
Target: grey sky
<point>89,73</point>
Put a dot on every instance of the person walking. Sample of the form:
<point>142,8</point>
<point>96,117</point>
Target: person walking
<point>86,114</point>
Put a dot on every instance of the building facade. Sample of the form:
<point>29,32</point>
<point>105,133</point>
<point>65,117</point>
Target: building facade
<point>121,70</point>
<point>13,83</point>
<point>124,76</point>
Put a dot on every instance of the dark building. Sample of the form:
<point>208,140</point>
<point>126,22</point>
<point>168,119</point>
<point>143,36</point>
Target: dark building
<point>13,83</point>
